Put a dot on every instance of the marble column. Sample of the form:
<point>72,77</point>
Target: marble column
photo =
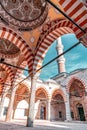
<point>2,99</point>
<point>67,106</point>
<point>1,104</point>
<point>61,59</point>
<point>30,118</point>
<point>49,109</point>
<point>10,107</point>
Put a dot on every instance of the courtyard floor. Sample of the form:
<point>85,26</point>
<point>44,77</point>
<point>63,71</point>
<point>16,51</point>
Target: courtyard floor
<point>43,125</point>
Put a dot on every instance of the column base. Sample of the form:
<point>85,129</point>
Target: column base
<point>29,123</point>
<point>69,120</point>
<point>8,120</point>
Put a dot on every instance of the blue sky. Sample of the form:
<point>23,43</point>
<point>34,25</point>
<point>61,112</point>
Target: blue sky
<point>75,59</point>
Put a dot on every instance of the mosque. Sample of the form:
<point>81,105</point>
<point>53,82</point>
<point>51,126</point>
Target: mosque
<point>27,30</point>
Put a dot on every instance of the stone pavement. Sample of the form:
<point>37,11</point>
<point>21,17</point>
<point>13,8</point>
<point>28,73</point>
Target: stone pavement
<point>43,125</point>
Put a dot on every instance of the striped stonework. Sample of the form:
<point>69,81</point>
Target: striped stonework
<point>20,43</point>
<point>7,86</point>
<point>1,81</point>
<point>51,31</point>
<point>76,10</point>
<point>40,90</point>
<point>9,72</point>
<point>57,91</point>
<point>19,73</point>
<point>1,85</point>
<point>71,81</point>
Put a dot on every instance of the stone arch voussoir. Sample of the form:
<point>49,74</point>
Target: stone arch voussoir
<point>20,43</point>
<point>71,81</point>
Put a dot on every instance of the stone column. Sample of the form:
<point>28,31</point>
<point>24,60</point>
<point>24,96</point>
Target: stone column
<point>2,99</point>
<point>49,109</point>
<point>1,104</point>
<point>67,106</point>
<point>30,118</point>
<point>10,107</point>
<point>61,59</point>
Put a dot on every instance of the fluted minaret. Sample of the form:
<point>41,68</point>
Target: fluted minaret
<point>61,60</point>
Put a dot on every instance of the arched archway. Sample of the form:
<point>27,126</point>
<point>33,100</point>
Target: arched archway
<point>13,37</point>
<point>77,88</point>
<point>41,104</point>
<point>50,32</point>
<point>58,106</point>
<point>22,92</point>
<point>18,73</point>
<point>9,71</point>
<point>77,94</point>
<point>8,74</point>
<point>21,101</point>
<point>21,110</point>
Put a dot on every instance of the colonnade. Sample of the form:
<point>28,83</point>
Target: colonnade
<point>30,117</point>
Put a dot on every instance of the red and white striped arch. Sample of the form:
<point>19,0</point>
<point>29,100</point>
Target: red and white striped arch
<point>20,43</point>
<point>50,33</point>
<point>76,10</point>
<point>52,30</point>
<point>9,71</point>
<point>9,80</point>
<point>19,73</point>
<point>1,81</point>
<point>7,86</point>
<point>42,89</point>
<point>1,85</point>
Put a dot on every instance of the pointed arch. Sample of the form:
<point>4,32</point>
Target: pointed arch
<point>22,91</point>
<point>58,91</point>
<point>9,79</point>
<point>44,90</point>
<point>13,37</point>
<point>50,32</point>
<point>1,81</point>
<point>18,73</point>
<point>72,80</point>
<point>78,12</point>
<point>9,71</point>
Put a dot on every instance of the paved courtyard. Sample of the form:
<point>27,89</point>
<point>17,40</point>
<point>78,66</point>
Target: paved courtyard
<point>43,125</point>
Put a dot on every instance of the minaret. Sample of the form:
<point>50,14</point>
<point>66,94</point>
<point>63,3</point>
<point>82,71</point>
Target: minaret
<point>61,59</point>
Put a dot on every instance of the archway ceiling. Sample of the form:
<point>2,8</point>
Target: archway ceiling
<point>17,14</point>
<point>9,10</point>
<point>25,14</point>
<point>77,88</point>
<point>22,92</point>
<point>8,49</point>
<point>33,14</point>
